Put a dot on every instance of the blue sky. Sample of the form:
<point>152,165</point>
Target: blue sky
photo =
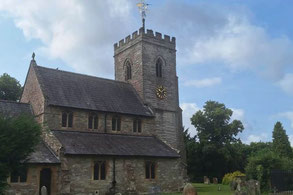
<point>239,53</point>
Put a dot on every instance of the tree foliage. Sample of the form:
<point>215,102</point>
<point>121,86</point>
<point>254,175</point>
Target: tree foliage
<point>214,126</point>
<point>192,157</point>
<point>10,88</point>
<point>18,137</point>
<point>261,164</point>
<point>281,142</point>
<point>216,150</point>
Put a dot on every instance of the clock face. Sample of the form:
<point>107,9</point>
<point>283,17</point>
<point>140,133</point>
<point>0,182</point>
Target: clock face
<point>161,92</point>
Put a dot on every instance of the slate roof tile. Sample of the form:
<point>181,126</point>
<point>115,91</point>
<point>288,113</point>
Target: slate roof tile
<point>12,108</point>
<point>74,90</point>
<point>43,155</point>
<point>92,143</point>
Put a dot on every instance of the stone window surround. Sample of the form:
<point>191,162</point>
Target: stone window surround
<point>159,63</point>
<point>128,70</point>
<point>18,178</point>
<point>67,112</point>
<point>137,125</point>
<point>93,169</point>
<point>117,123</point>
<point>148,165</point>
<point>95,120</point>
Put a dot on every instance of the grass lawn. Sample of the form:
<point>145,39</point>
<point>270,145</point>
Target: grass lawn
<point>204,189</point>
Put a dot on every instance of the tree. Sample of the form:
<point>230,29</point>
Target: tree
<point>192,155</point>
<point>256,147</point>
<point>214,124</point>
<point>10,88</point>
<point>18,137</point>
<point>261,164</point>
<point>217,151</point>
<point>281,144</point>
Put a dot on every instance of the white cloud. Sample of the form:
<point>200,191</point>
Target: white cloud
<point>225,35</point>
<point>289,116</point>
<point>208,82</point>
<point>287,83</point>
<point>188,110</point>
<point>242,45</point>
<point>81,33</point>
<point>238,114</point>
<point>256,138</point>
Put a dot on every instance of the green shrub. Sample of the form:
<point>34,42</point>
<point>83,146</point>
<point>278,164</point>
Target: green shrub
<point>230,176</point>
<point>261,164</point>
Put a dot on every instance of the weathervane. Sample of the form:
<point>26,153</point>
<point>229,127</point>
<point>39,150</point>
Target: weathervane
<point>142,6</point>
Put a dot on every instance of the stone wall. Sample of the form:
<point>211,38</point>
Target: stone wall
<point>31,187</point>
<point>133,53</point>
<point>80,121</point>
<point>143,49</point>
<point>130,175</point>
<point>32,94</point>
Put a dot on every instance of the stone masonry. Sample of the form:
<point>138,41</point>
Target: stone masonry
<point>143,49</point>
<point>75,173</point>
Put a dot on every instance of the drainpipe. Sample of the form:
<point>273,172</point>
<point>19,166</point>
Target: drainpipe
<point>114,176</point>
<point>105,123</point>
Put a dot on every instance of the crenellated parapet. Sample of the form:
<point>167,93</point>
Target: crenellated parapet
<point>148,36</point>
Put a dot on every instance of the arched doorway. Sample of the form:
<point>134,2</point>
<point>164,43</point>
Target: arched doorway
<point>45,179</point>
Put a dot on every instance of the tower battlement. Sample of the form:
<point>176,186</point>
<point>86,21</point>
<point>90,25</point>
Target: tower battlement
<point>149,36</point>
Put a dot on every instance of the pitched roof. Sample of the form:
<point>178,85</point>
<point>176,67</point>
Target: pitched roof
<point>74,90</point>
<point>43,155</point>
<point>91,143</point>
<point>11,108</point>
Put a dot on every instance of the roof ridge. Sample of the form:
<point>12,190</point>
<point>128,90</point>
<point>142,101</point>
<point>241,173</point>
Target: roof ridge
<point>75,90</point>
<point>80,74</point>
<point>94,132</point>
<point>50,149</point>
<point>14,102</point>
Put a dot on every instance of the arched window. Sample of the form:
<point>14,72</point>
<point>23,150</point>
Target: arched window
<point>67,119</point>
<point>128,74</point>
<point>116,123</point>
<point>159,65</point>
<point>136,125</point>
<point>150,170</point>
<point>100,170</point>
<point>93,121</point>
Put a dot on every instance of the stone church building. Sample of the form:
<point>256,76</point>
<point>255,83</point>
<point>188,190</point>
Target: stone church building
<point>104,136</point>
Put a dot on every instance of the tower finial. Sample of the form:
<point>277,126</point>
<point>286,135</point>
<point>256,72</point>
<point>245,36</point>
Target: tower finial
<point>33,56</point>
<point>33,61</point>
<point>142,6</point>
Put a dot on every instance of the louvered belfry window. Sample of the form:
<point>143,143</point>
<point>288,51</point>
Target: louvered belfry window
<point>128,73</point>
<point>159,65</point>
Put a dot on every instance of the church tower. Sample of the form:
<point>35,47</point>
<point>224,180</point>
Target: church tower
<point>147,60</point>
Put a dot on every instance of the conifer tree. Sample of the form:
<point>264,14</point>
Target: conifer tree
<point>281,144</point>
